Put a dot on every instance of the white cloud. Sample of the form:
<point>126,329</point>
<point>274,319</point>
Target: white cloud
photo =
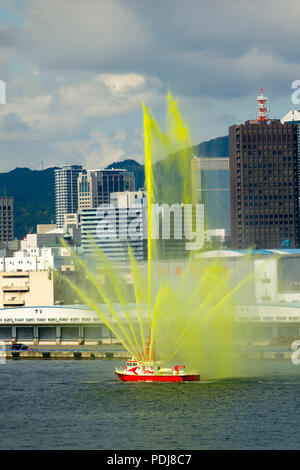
<point>32,111</point>
<point>120,135</point>
<point>71,105</point>
<point>108,95</point>
<point>97,151</point>
<point>122,83</point>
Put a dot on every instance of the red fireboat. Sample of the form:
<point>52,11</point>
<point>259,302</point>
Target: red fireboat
<point>135,371</point>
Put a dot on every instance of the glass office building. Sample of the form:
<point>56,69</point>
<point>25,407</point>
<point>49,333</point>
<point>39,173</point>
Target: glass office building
<point>213,188</point>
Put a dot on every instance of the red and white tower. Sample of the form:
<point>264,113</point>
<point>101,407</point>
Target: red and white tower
<point>262,108</point>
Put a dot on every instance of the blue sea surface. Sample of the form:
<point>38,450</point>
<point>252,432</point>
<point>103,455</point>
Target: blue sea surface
<point>81,405</point>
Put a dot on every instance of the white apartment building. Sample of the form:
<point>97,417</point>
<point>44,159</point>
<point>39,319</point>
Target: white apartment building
<point>35,259</point>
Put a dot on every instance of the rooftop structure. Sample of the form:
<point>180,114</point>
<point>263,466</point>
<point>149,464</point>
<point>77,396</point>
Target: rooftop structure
<point>262,108</point>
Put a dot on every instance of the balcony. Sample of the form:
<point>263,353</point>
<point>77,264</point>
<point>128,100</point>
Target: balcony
<point>15,288</point>
<point>14,303</point>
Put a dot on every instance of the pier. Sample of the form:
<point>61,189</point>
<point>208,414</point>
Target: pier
<point>116,352</point>
<point>90,354</point>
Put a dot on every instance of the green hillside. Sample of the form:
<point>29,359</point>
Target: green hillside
<point>33,193</point>
<point>218,147</point>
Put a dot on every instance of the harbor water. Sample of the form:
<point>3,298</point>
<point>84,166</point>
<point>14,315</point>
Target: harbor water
<point>81,405</point>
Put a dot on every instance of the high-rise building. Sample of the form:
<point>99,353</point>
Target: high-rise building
<point>213,189</point>
<point>293,117</point>
<point>6,218</point>
<point>66,191</point>
<point>264,182</point>
<point>95,186</point>
<point>113,226</point>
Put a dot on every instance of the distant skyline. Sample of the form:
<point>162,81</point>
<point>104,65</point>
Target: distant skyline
<point>77,73</point>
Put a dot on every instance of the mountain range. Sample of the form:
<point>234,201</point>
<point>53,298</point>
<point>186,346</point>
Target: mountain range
<point>33,190</point>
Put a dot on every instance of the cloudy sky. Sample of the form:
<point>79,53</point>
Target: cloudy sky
<point>78,72</point>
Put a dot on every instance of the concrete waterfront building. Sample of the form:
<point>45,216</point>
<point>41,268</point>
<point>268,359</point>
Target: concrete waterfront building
<point>66,191</point>
<point>96,186</point>
<point>77,324</point>
<point>264,182</point>
<point>50,325</point>
<point>6,219</point>
<point>110,225</point>
<point>30,278</point>
<point>26,288</point>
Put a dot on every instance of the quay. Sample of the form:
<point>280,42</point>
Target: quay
<point>109,353</point>
<point>64,354</point>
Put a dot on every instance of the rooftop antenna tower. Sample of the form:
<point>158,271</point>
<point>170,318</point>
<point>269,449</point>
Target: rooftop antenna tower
<point>262,108</point>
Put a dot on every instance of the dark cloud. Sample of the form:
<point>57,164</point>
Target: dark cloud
<point>12,123</point>
<point>9,37</point>
<point>195,47</point>
<point>212,55</point>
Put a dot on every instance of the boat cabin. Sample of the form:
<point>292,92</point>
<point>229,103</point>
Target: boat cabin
<point>132,364</point>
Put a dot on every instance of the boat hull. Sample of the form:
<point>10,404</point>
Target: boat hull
<point>158,378</point>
